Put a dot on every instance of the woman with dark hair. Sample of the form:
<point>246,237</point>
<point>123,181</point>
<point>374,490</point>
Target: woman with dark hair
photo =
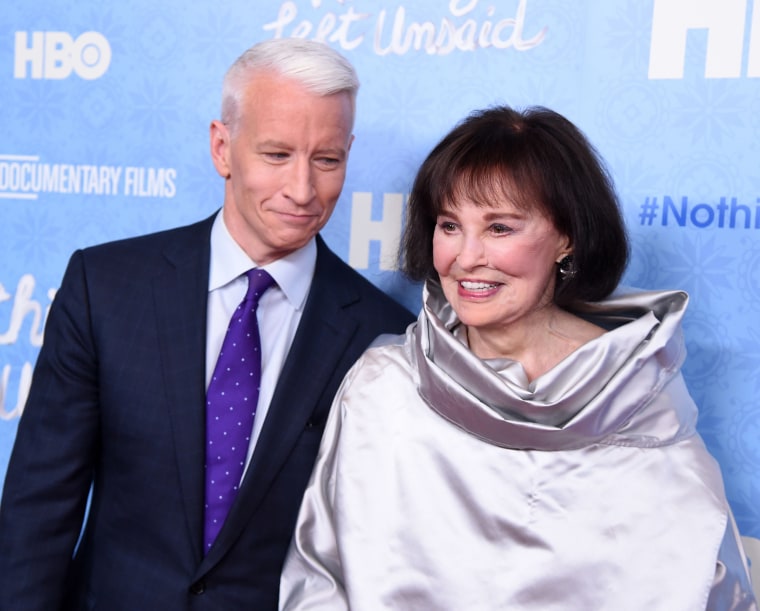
<point>540,162</point>
<point>530,443</point>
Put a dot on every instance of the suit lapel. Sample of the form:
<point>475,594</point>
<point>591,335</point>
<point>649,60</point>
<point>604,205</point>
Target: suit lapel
<point>181,295</point>
<point>323,336</point>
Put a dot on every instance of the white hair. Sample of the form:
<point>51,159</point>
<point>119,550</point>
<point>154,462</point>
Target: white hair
<point>316,66</point>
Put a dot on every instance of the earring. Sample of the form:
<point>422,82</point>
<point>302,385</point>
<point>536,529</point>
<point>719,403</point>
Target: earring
<point>567,269</point>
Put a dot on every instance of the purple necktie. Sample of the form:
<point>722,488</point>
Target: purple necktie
<point>231,405</point>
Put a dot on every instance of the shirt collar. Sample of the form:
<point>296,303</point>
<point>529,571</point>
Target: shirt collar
<point>293,272</point>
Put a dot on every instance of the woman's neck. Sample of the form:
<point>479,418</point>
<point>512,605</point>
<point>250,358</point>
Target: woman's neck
<point>538,343</point>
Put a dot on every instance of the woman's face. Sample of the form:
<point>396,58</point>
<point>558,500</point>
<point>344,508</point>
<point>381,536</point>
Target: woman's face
<point>497,263</point>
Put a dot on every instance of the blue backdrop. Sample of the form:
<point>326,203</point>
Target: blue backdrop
<point>104,114</point>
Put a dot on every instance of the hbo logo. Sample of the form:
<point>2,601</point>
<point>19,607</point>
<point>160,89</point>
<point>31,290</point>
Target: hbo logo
<point>54,55</point>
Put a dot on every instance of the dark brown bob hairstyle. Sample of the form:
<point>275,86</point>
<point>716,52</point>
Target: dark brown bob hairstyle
<point>538,160</point>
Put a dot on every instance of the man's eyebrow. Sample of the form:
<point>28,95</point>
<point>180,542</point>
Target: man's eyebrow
<point>332,150</point>
<point>273,144</point>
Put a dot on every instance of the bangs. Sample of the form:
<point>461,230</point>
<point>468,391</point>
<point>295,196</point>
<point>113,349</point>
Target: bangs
<point>488,181</point>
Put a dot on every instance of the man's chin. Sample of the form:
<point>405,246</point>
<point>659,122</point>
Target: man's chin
<point>289,241</point>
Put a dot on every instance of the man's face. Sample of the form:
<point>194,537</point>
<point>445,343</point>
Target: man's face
<point>284,164</point>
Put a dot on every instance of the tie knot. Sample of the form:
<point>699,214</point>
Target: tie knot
<point>258,282</point>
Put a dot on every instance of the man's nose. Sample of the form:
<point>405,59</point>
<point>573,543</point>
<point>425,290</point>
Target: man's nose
<point>300,182</point>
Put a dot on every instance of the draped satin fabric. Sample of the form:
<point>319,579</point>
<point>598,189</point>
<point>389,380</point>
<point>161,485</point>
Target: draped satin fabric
<point>449,483</point>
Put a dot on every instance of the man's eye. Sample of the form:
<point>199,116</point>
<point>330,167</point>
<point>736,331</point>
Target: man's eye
<point>328,162</point>
<point>276,155</point>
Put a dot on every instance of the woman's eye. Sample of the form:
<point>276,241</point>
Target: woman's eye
<point>447,226</point>
<point>499,228</point>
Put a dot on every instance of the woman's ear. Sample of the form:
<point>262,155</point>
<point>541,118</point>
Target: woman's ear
<point>564,248</point>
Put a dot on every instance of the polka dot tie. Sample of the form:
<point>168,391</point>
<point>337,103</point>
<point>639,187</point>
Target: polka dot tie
<point>231,405</point>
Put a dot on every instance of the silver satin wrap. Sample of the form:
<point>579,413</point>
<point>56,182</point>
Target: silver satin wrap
<point>448,483</point>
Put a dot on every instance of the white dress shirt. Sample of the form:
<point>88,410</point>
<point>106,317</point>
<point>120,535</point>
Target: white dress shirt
<point>279,311</point>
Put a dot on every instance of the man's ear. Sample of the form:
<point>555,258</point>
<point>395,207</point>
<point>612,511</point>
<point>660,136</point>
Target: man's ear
<point>219,140</point>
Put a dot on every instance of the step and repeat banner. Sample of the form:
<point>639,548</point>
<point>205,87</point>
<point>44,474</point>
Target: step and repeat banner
<point>105,108</point>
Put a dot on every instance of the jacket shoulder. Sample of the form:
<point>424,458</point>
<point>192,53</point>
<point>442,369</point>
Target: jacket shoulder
<point>364,297</point>
<point>188,235</point>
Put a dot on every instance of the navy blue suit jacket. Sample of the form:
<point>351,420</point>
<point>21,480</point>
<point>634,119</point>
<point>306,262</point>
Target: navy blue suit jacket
<point>117,402</point>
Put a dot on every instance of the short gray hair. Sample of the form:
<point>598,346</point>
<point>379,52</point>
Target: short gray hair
<point>315,65</point>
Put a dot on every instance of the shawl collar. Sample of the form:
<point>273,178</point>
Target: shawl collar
<point>597,393</point>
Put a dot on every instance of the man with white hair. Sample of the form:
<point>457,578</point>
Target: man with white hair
<point>130,387</point>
